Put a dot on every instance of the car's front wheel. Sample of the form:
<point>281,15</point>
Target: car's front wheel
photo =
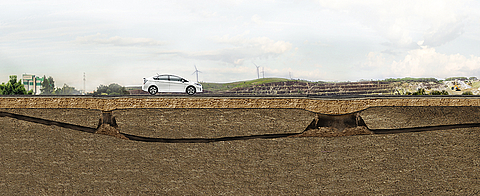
<point>191,90</point>
<point>152,90</point>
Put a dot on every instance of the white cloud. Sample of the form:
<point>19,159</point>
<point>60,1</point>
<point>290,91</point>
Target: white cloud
<point>117,40</point>
<point>267,45</point>
<point>404,23</point>
<point>375,60</point>
<point>425,62</point>
<point>243,49</point>
<point>257,19</point>
<point>438,36</point>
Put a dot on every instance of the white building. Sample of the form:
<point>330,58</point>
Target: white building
<point>32,82</point>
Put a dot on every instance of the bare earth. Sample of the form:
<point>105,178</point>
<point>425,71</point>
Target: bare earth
<point>37,159</point>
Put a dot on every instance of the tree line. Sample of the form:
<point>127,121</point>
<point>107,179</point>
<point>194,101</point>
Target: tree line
<point>14,87</point>
<point>408,79</point>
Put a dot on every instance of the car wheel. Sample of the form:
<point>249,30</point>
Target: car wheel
<point>153,90</point>
<point>191,90</point>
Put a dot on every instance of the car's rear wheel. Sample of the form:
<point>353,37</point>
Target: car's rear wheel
<point>152,90</point>
<point>191,90</point>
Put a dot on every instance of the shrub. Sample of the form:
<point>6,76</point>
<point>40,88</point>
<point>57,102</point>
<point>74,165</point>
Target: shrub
<point>112,89</point>
<point>435,92</point>
<point>420,92</point>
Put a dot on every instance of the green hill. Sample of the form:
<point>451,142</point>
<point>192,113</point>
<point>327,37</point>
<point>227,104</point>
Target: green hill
<point>215,87</point>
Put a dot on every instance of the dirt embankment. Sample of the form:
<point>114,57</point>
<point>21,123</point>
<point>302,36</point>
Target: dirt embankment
<point>317,105</point>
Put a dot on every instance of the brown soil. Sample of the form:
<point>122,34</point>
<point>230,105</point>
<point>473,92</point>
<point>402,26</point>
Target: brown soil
<point>83,117</point>
<point>211,123</point>
<point>48,160</point>
<point>106,129</point>
<point>333,132</point>
<point>406,117</point>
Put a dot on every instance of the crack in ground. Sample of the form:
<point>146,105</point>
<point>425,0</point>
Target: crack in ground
<point>206,140</point>
<point>209,140</point>
<point>425,128</point>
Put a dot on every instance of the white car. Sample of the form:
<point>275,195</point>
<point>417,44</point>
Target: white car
<point>170,83</point>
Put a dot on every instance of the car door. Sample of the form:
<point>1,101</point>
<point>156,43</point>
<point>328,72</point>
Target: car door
<point>162,83</point>
<point>176,84</point>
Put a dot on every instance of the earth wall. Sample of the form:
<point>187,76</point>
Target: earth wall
<point>317,105</point>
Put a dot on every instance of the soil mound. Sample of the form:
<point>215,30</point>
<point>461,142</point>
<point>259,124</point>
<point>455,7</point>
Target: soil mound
<point>333,132</point>
<point>106,129</point>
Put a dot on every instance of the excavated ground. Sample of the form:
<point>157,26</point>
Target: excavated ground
<point>38,159</point>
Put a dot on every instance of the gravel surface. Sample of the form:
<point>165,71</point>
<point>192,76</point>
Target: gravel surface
<point>37,159</point>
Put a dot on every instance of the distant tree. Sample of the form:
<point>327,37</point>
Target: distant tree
<point>48,86</point>
<point>472,78</point>
<point>435,92</point>
<point>455,78</point>
<point>408,79</point>
<point>420,92</point>
<point>67,90</point>
<point>112,89</point>
<point>467,93</point>
<point>13,87</point>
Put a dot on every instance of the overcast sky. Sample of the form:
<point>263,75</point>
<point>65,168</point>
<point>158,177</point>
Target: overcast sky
<point>329,40</point>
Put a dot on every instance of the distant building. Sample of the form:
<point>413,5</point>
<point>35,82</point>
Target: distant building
<point>32,82</point>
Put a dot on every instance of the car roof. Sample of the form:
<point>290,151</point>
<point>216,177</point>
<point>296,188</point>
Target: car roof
<point>167,75</point>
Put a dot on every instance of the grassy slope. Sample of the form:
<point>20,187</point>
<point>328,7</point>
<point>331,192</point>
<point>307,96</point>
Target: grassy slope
<point>225,86</point>
<point>476,84</point>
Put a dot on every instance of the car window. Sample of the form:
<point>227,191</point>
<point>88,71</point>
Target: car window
<point>161,78</point>
<point>175,78</point>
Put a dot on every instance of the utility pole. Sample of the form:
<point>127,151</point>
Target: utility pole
<point>84,92</point>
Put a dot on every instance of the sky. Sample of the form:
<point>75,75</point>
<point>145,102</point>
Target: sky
<point>122,41</point>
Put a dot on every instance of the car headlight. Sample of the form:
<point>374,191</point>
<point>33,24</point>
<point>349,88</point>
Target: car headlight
<point>198,84</point>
